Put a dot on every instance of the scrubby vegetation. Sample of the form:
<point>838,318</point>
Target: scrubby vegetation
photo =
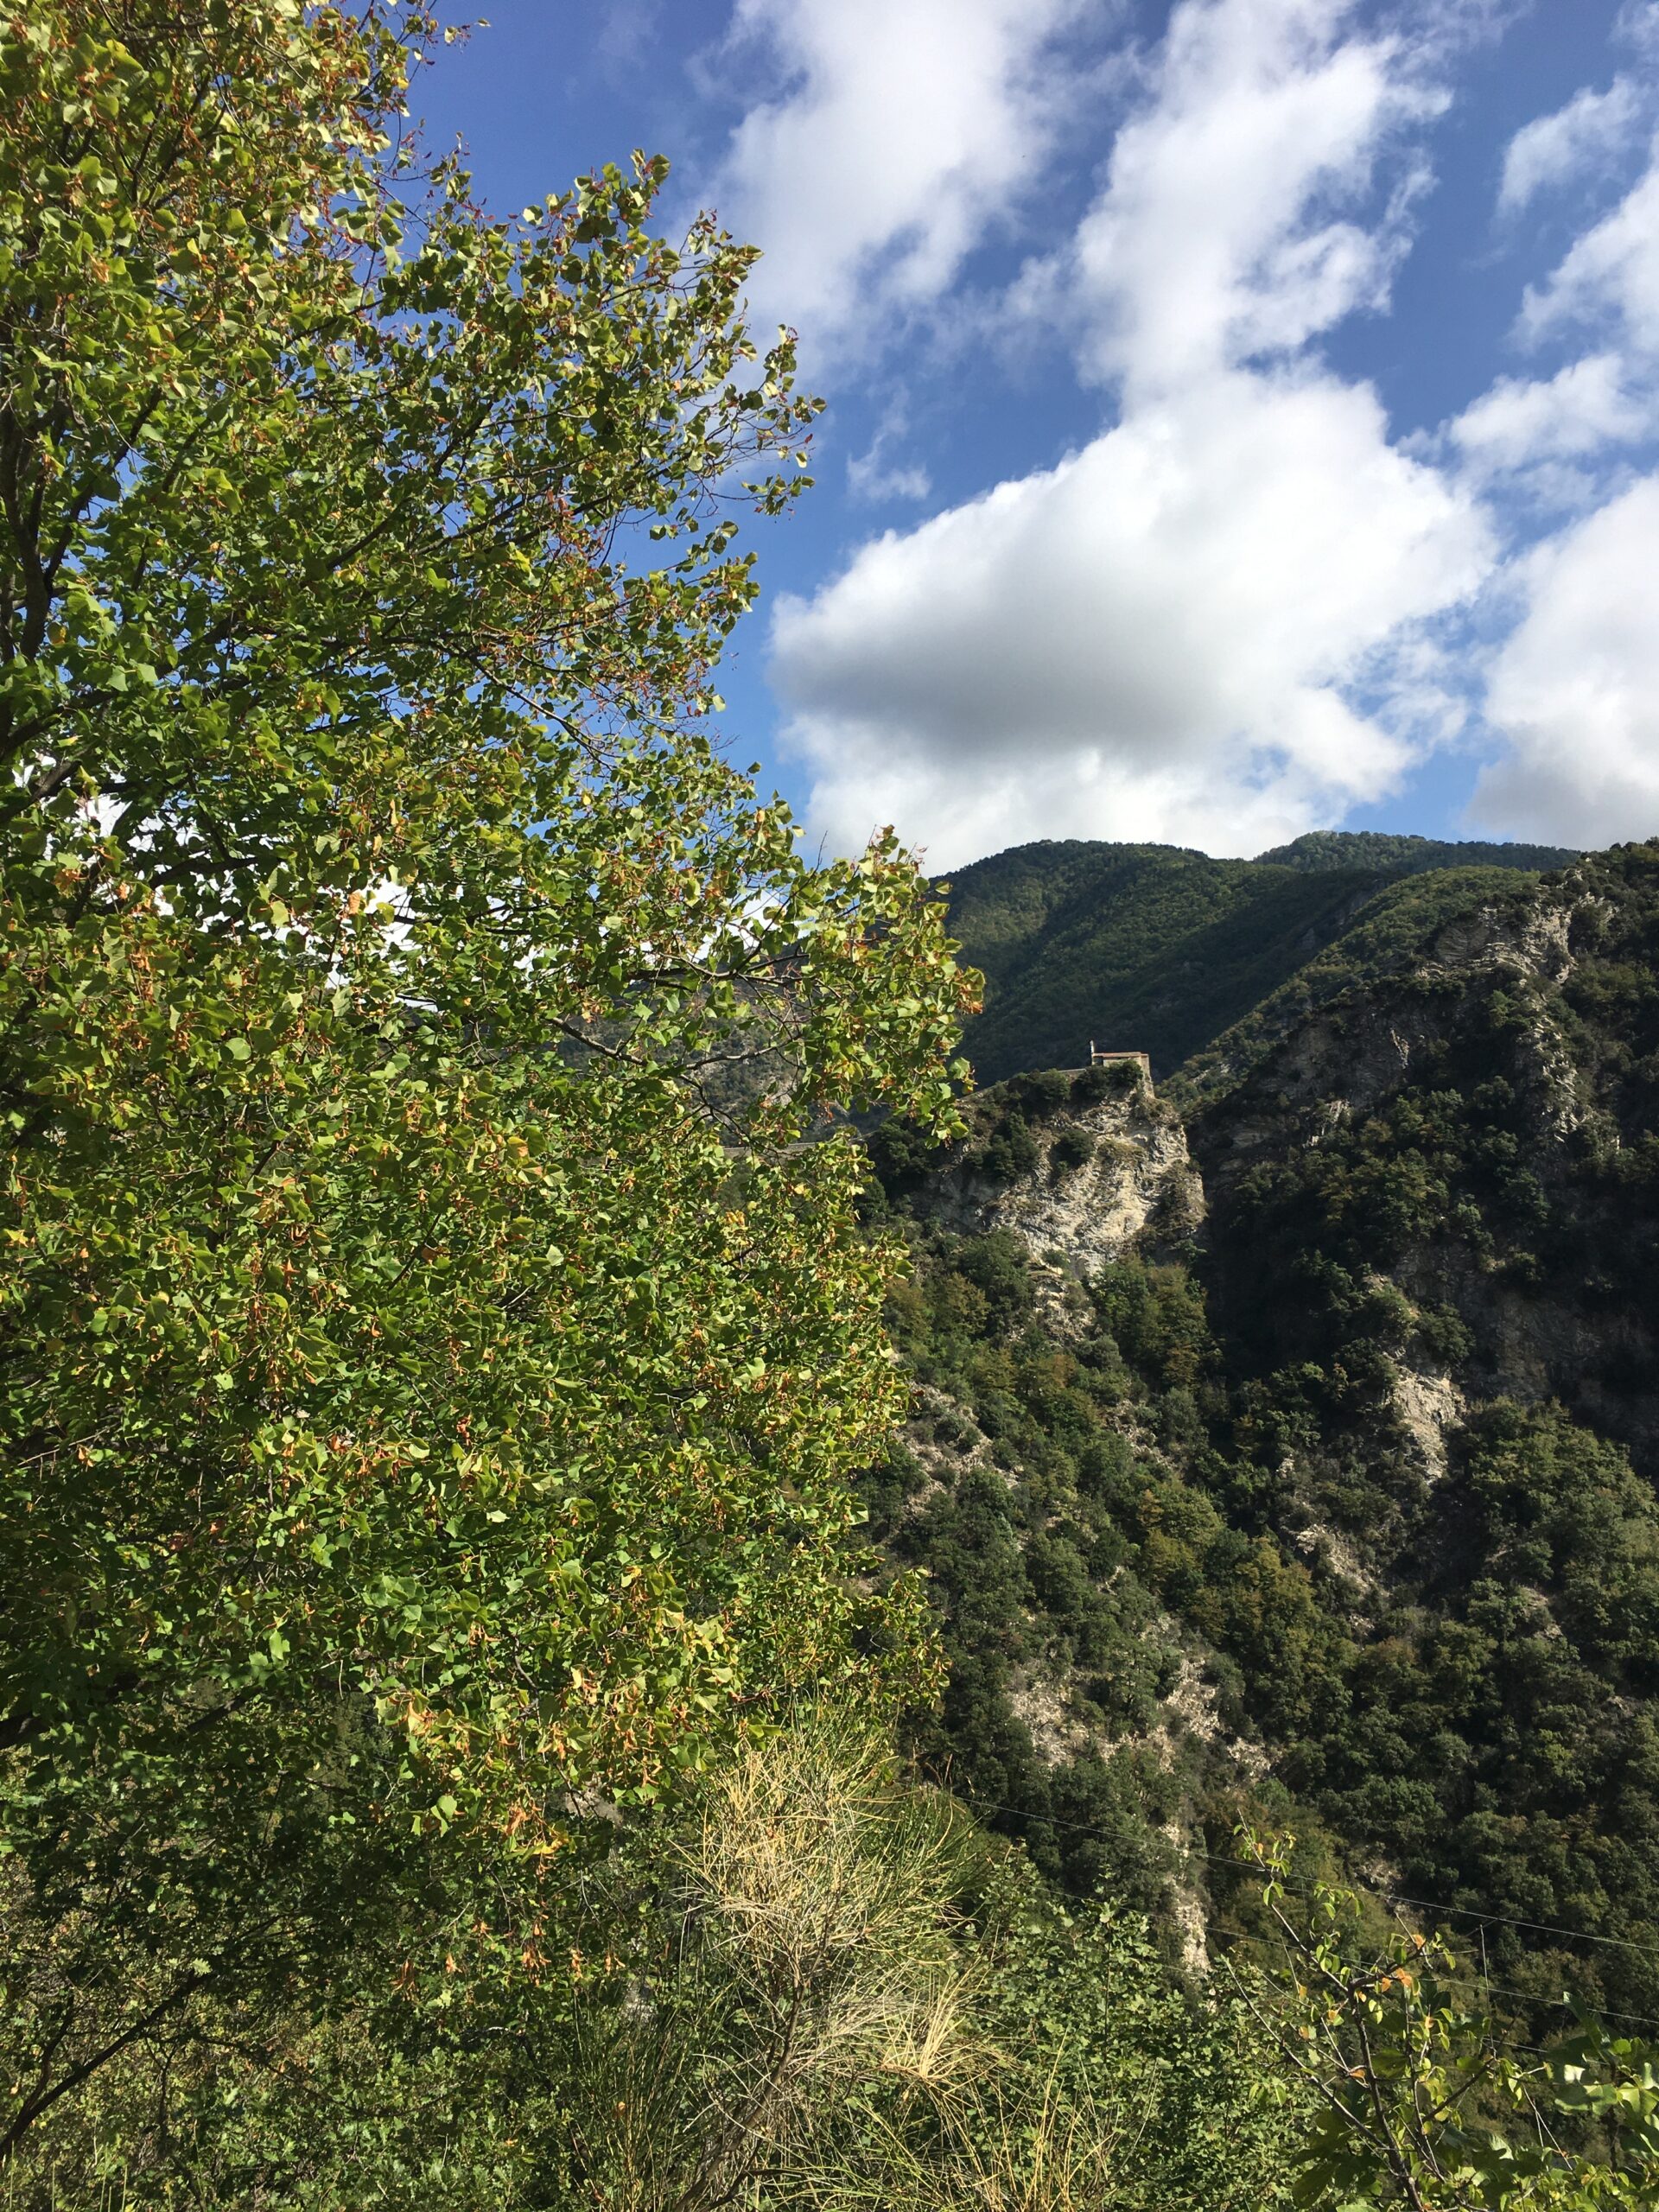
<point>1200,1467</point>
<point>1460,1679</point>
<point>459,1746</point>
<point>815,1984</point>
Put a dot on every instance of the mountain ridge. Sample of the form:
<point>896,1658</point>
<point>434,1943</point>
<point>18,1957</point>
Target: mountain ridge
<point>1155,947</point>
<point>1407,853</point>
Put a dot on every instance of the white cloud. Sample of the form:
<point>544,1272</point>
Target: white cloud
<point>871,477</point>
<point>1522,424</point>
<point>903,129</point>
<point>1610,274</point>
<point>1166,634</point>
<point>876,474</point>
<point>1575,689</point>
<point>1606,287</point>
<point>1555,149</point>
<point>1638,26</point>
<point>1150,641</point>
<point>1218,235</point>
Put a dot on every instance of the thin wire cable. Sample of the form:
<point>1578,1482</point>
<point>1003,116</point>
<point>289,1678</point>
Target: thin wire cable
<point>1228,1937</point>
<point>1373,1888</point>
<point>1521,2049</point>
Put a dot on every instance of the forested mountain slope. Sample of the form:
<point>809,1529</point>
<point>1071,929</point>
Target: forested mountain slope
<point>1159,948</point>
<point>1302,1456</point>
<point>1482,1128</point>
<point>1407,856</point>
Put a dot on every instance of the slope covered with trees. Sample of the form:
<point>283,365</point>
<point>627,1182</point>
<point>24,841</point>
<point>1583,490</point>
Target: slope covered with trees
<point>1333,1489</point>
<point>1409,856</point>
<point>1153,949</point>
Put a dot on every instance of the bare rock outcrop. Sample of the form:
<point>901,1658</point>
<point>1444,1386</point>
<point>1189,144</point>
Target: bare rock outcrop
<point>1103,1178</point>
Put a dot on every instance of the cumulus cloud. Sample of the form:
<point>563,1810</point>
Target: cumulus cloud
<point>1574,690</point>
<point>1610,277</point>
<point>1520,424</point>
<point>1575,687</point>
<point>1638,26</point>
<point>1219,235</point>
<point>900,132</point>
<point>1150,641</point>
<point>1605,291</point>
<point>1188,629</point>
<point>1552,441</point>
<point>1554,149</point>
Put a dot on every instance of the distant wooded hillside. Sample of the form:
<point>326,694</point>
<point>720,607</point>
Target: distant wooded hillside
<point>1326,848</point>
<point>1159,948</point>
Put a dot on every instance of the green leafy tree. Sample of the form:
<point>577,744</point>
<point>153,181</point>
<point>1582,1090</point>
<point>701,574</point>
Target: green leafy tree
<point>807,1983</point>
<point>429,1359</point>
<point>1422,2100</point>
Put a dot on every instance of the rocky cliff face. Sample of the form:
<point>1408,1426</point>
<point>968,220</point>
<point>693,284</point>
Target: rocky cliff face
<point>1288,1472</point>
<point>1465,1131</point>
<point>1101,1174</point>
<point>1476,1132</point>
<point>1082,1714</point>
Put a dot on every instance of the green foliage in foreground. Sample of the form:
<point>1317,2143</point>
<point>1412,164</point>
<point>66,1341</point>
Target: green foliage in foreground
<point>817,1984</point>
<point>1421,2100</point>
<point>424,1415</point>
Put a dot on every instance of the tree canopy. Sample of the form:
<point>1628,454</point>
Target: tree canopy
<point>429,1355</point>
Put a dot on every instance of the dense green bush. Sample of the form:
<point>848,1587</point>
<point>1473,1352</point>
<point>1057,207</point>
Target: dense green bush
<point>429,1363</point>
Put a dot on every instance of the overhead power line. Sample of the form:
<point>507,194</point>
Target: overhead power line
<point>1373,1888</point>
<point>1228,1937</point>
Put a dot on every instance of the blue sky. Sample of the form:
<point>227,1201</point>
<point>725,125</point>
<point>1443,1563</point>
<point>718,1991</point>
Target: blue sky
<point>1243,415</point>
